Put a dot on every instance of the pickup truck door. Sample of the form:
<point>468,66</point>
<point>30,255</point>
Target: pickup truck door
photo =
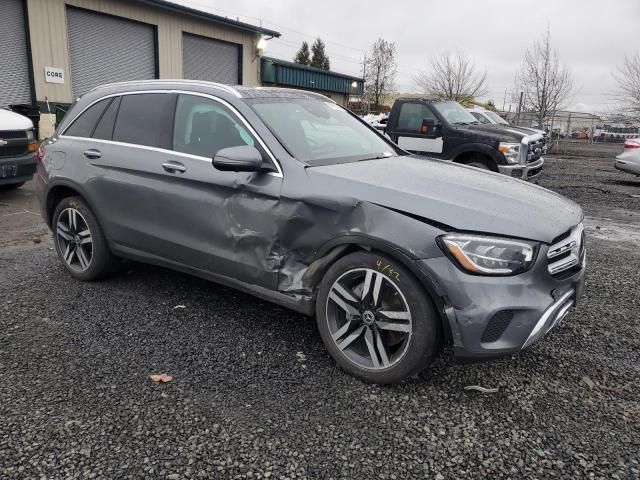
<point>410,130</point>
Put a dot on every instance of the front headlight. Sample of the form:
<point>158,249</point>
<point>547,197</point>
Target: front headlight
<point>483,255</point>
<point>511,151</point>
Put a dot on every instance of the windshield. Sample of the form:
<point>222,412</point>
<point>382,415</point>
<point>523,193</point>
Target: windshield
<point>496,118</point>
<point>320,133</point>
<point>454,113</point>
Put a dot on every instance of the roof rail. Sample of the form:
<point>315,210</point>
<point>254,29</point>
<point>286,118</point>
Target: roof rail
<point>219,86</point>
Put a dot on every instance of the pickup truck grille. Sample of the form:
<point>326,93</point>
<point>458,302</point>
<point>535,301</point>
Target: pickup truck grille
<point>13,143</point>
<point>535,149</point>
<point>567,254</point>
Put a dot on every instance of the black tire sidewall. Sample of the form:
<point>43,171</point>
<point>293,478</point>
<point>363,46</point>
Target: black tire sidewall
<point>102,262</point>
<point>425,340</point>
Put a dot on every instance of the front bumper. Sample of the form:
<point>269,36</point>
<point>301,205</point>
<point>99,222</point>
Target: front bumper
<point>523,171</point>
<point>496,316</point>
<point>17,169</point>
<point>628,165</point>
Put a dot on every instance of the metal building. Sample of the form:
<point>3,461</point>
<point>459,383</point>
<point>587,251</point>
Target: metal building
<point>337,86</point>
<point>52,51</point>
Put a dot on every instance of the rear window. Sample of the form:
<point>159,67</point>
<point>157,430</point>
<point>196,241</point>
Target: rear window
<point>146,119</point>
<point>84,125</point>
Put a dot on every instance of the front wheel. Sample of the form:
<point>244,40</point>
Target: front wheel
<point>375,319</point>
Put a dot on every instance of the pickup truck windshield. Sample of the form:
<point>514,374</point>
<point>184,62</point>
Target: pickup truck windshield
<point>320,133</point>
<point>454,113</point>
<point>496,118</point>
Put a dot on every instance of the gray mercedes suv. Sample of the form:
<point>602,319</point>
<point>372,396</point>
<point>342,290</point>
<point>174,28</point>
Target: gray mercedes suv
<point>288,196</point>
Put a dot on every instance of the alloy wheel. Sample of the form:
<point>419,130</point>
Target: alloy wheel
<point>74,239</point>
<point>369,319</point>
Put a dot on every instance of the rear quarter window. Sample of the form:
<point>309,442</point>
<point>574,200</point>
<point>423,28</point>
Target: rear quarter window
<point>84,125</point>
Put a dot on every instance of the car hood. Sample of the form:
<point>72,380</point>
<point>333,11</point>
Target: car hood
<point>464,198</point>
<point>13,121</point>
<point>501,133</point>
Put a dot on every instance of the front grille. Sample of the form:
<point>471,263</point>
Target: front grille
<point>7,134</point>
<point>535,150</point>
<point>13,151</point>
<point>496,326</point>
<point>567,251</point>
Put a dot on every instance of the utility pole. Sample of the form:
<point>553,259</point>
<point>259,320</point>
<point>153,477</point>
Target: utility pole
<point>519,109</point>
<point>504,102</point>
<point>364,77</point>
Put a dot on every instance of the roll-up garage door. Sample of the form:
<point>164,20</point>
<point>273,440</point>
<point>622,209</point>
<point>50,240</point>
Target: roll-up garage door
<point>105,49</point>
<point>212,60</point>
<point>15,85</point>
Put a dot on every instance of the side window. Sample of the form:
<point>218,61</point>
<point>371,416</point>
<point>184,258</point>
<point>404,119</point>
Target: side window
<point>412,115</point>
<point>204,126</point>
<point>104,129</point>
<point>145,119</point>
<point>83,125</point>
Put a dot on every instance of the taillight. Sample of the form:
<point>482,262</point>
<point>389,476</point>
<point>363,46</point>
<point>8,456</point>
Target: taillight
<point>632,145</point>
<point>40,153</point>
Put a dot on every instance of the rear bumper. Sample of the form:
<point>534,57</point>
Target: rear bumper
<point>524,172</point>
<point>17,169</point>
<point>497,316</point>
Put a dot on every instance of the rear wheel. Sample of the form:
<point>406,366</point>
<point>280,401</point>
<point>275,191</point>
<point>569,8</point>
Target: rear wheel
<point>375,319</point>
<point>79,241</point>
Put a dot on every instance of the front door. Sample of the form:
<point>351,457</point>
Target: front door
<point>409,133</point>
<point>217,221</point>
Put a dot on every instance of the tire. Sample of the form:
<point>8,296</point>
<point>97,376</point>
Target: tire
<point>410,339</point>
<point>480,165</point>
<point>80,242</point>
<point>11,186</point>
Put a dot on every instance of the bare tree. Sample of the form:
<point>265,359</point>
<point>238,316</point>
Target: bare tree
<point>380,72</point>
<point>546,84</point>
<point>628,78</point>
<point>452,76</point>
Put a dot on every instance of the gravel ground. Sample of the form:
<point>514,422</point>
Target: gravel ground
<point>255,395</point>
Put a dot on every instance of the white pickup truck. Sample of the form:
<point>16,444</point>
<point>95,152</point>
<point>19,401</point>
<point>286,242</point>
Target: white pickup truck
<point>18,146</point>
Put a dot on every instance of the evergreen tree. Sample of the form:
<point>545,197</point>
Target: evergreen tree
<point>303,56</point>
<point>319,58</point>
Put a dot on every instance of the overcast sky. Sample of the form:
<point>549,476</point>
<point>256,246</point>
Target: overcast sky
<point>590,36</point>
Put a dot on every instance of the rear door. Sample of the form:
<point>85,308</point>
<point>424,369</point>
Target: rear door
<point>126,151</point>
<point>408,131</point>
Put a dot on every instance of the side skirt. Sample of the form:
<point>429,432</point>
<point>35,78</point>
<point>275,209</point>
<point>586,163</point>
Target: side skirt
<point>300,304</point>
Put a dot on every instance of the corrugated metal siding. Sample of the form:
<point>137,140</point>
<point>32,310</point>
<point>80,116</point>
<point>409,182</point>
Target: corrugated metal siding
<point>295,76</point>
<point>211,60</point>
<point>105,49</point>
<point>15,86</point>
<point>49,41</point>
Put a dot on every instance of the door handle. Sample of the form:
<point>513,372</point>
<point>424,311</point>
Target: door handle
<point>92,153</point>
<point>174,167</point>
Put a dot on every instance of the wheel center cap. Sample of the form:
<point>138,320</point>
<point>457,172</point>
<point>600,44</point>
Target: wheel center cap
<point>368,317</point>
<point>77,239</point>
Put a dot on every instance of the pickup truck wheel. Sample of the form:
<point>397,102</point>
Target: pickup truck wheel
<point>480,165</point>
<point>79,241</point>
<point>375,319</point>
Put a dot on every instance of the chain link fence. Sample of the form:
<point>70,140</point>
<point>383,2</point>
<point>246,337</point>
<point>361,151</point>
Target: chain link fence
<point>569,131</point>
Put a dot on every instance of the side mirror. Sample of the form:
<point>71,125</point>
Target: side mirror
<point>428,126</point>
<point>238,159</point>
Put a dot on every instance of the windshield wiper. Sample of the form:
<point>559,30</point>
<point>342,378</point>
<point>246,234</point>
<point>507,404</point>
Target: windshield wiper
<point>377,157</point>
